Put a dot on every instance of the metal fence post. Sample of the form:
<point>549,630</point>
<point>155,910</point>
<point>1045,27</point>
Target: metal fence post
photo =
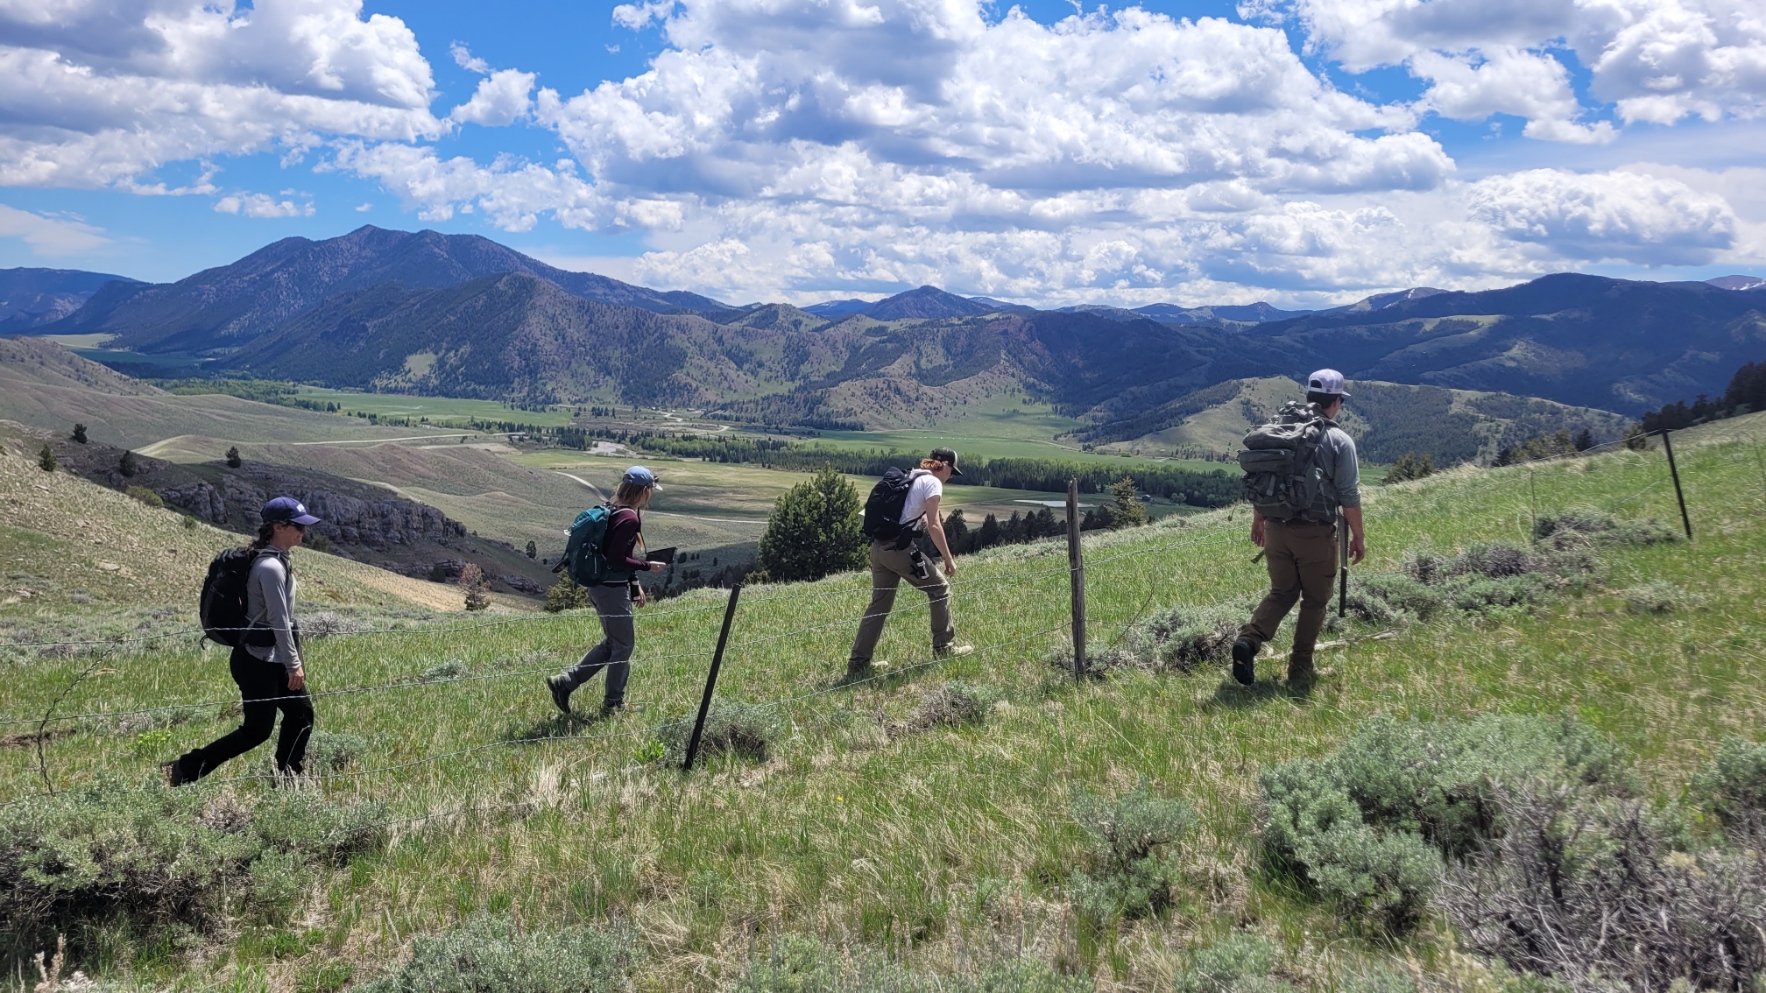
<point>1076,574</point>
<point>1679,495</point>
<point>717,662</point>
<point>1342,565</point>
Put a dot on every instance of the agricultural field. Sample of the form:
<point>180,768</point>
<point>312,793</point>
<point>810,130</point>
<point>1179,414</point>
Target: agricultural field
<point>937,819</point>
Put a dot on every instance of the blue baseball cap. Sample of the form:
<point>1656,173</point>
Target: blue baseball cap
<point>287,509</point>
<point>639,476</point>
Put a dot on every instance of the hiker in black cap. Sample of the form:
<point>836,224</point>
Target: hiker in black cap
<point>1300,542</point>
<point>896,554</point>
<point>267,663</point>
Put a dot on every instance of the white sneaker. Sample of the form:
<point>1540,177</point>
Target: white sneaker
<point>954,651</point>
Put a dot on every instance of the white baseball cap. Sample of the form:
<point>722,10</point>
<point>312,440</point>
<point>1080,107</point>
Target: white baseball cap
<point>1327,381</point>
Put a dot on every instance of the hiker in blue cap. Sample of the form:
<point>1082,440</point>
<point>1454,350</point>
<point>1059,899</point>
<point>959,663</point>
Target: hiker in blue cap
<point>266,663</point>
<point>601,559</point>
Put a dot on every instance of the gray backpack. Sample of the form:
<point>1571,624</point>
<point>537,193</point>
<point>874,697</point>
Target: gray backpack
<point>1282,471</point>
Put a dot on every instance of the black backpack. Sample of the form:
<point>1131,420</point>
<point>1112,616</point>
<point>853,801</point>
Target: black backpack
<point>222,606</point>
<point>1282,472</point>
<point>883,507</point>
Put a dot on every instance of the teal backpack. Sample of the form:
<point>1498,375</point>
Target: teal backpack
<point>584,562</point>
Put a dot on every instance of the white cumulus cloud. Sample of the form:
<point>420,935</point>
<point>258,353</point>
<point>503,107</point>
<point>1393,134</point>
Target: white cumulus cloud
<point>502,98</point>
<point>262,205</point>
<point>1656,61</point>
<point>101,92</point>
<point>52,236</point>
<point>1619,216</point>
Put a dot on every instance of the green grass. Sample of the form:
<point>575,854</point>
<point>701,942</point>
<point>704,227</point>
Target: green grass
<point>440,411</point>
<point>936,846</point>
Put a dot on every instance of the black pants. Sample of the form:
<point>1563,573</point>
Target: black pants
<point>263,690</point>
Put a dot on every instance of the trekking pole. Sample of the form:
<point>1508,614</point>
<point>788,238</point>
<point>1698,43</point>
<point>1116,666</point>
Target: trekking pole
<point>717,662</point>
<point>1076,573</point>
<point>1343,567</point>
<point>1674,471</point>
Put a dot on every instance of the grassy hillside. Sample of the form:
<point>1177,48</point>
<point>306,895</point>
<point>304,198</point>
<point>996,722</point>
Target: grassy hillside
<point>74,551</point>
<point>880,830</point>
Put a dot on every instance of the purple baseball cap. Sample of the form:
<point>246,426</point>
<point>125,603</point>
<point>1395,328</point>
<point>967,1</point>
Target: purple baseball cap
<point>1327,381</point>
<point>287,509</point>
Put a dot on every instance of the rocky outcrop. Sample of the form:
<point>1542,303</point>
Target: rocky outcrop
<point>344,519</point>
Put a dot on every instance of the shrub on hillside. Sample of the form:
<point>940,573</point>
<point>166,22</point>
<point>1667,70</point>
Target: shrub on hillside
<point>954,704</point>
<point>1185,639</point>
<point>1585,526</point>
<point>144,496</point>
<point>155,859</point>
<point>1130,868</point>
<point>331,751</point>
<point>1367,827</point>
<point>489,953</point>
<point>1388,598</point>
<point>1659,597</point>
<point>1604,895</point>
<point>566,595</point>
<point>1245,963</point>
<point>1733,786</point>
<point>744,729</point>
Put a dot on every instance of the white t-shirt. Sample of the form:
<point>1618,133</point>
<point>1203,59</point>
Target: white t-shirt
<point>925,487</point>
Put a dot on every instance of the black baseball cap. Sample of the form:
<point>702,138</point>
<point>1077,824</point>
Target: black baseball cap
<point>949,457</point>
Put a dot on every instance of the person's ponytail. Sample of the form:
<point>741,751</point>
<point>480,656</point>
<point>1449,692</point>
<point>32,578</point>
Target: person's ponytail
<point>266,531</point>
<point>930,464</point>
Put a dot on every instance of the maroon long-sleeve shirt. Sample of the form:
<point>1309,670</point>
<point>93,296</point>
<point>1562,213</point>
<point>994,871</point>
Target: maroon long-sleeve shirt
<point>622,538</point>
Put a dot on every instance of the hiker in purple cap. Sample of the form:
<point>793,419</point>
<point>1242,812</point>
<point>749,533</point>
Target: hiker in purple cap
<point>1304,484</point>
<point>267,663</point>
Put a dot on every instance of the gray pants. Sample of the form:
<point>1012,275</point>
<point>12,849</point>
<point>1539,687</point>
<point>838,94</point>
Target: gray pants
<point>889,566</point>
<point>614,605</point>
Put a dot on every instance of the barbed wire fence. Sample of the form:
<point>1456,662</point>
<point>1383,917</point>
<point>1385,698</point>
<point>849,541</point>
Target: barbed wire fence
<point>113,652</point>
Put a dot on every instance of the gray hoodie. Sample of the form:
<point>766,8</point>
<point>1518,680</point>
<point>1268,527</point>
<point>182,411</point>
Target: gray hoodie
<point>269,603</point>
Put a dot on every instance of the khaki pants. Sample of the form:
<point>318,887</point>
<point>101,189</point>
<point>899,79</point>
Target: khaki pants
<point>1302,562</point>
<point>889,566</point>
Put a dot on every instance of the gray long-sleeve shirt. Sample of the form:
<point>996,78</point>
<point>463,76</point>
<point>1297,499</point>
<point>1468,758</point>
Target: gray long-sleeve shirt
<point>269,603</point>
<point>1342,471</point>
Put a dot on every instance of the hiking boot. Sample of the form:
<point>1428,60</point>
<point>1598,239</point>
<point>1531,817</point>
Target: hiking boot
<point>612,709</point>
<point>1244,662</point>
<point>173,772</point>
<point>953,651</point>
<point>561,690</point>
<point>1307,674</point>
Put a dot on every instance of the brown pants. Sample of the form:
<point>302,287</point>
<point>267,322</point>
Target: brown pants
<point>889,566</point>
<point>1302,562</point>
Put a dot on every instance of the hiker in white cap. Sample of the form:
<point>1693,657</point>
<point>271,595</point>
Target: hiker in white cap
<point>1296,524</point>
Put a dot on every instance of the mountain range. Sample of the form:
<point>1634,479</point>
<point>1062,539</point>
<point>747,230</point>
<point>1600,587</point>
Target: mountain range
<point>462,315</point>
<point>33,297</point>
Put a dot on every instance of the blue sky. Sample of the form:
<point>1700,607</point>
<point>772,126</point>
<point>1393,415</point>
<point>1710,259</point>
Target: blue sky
<point>1300,151</point>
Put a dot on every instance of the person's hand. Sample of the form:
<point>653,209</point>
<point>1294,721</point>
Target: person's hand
<point>950,568</point>
<point>643,597</point>
<point>1357,548</point>
<point>1257,531</point>
<point>658,566</point>
<point>297,681</point>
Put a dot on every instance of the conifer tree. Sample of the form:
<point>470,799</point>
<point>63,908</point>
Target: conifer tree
<point>128,465</point>
<point>1128,510</point>
<point>815,530</point>
<point>233,459</point>
<point>80,433</point>
<point>46,458</point>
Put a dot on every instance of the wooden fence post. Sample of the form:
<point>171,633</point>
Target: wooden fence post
<point>1076,574</point>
